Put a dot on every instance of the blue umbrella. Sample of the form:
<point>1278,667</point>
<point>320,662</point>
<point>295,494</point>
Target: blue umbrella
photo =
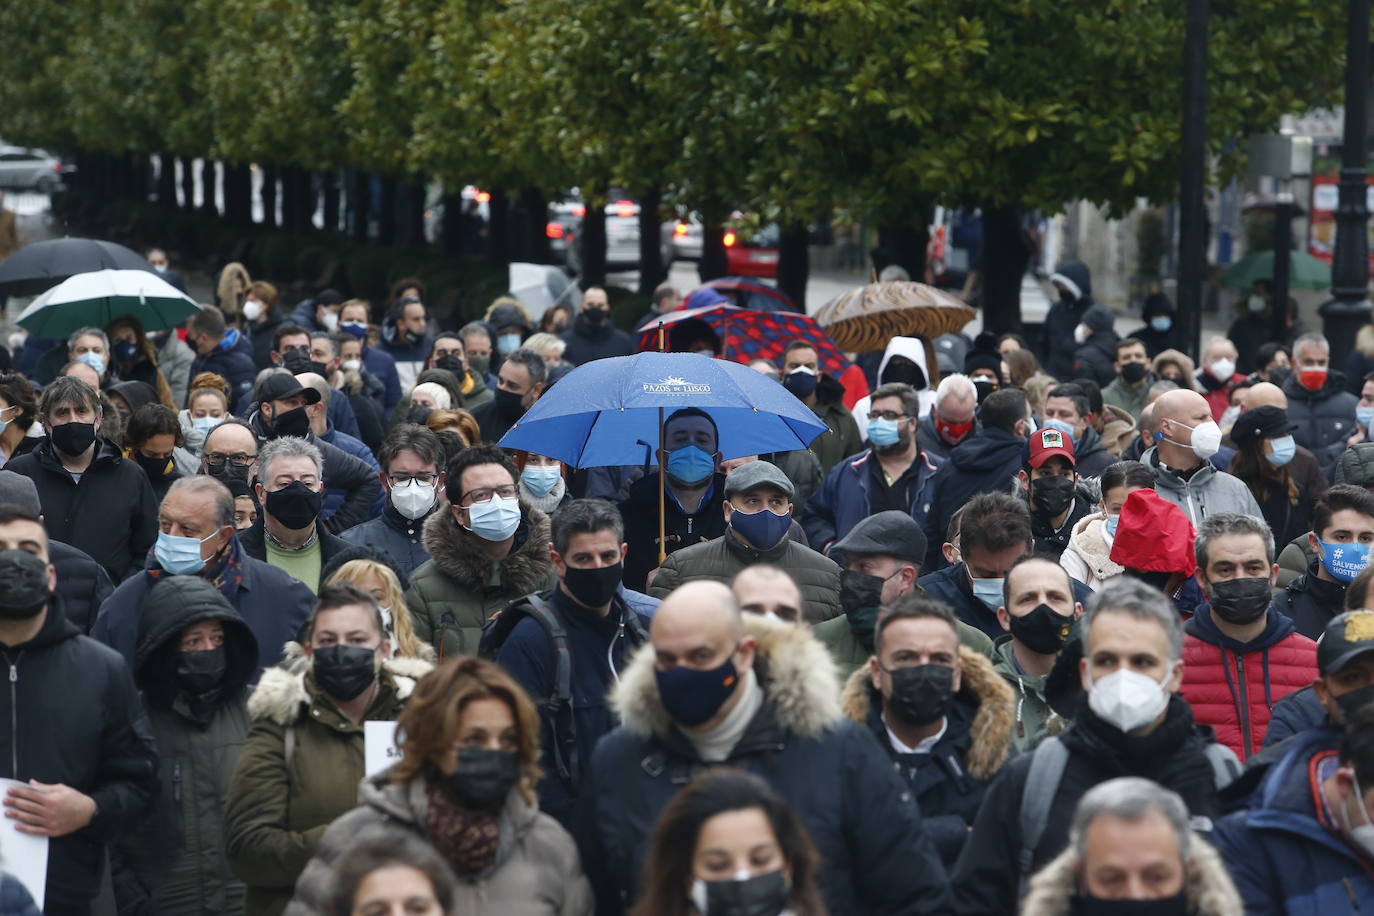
<point>608,412</point>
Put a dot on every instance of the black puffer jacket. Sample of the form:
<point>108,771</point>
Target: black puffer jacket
<point>1325,418</point>
<point>82,582</point>
<point>175,865</point>
<point>1310,602</point>
<point>586,341</point>
<point>984,463</point>
<point>111,514</point>
<point>75,718</point>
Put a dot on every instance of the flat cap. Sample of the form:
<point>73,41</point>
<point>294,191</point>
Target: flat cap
<point>755,474</point>
<point>18,490</point>
<point>892,533</point>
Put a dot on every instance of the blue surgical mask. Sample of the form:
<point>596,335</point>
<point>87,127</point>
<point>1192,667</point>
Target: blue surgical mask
<point>988,591</point>
<point>764,528</point>
<point>1161,323</point>
<point>495,519</point>
<point>508,343</point>
<point>1111,523</point>
<point>1345,561</point>
<point>1284,450</point>
<point>1365,415</point>
<point>94,360</point>
<point>1065,428</point>
<point>177,555</point>
<point>356,328</point>
<point>205,424</point>
<point>539,480</point>
<point>125,351</point>
<point>883,432</point>
<point>690,465</point>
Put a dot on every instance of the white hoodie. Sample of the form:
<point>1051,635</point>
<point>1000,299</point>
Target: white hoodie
<point>914,349</point>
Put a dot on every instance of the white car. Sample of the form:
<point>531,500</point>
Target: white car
<point>31,169</point>
<point>622,233</point>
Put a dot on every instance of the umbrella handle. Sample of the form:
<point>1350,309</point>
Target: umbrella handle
<point>662,472</point>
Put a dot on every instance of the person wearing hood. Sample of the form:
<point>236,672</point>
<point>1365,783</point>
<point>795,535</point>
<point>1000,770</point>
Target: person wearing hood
<point>405,338</point>
<point>1096,339</point>
<point>1132,849</point>
<point>465,784</point>
<point>1050,484</point>
<point>261,318</point>
<point>80,475</point>
<point>1073,284</point>
<point>127,397</point>
<point>1177,367</point>
<point>520,381</point>
<point>83,767</point>
<point>1158,333</point>
<point>194,661</point>
<point>1132,723</point>
<point>1130,388</point>
<point>1341,537</point>
<point>133,356</point>
<point>303,757</point>
<point>1219,377</point>
<point>758,516</point>
<point>986,462</point>
<point>353,321</point>
<point>220,349</point>
<point>320,313</point>
<point>1087,558</point>
<point>543,483</point>
<point>951,418</point>
<point>924,697</point>
<point>486,548</point>
<point>720,687</point>
<point>803,377</point>
<point>983,366</point>
<point>593,335</point>
<point>893,473</point>
<point>1186,437</point>
<point>411,473</point>
<point>1318,402</point>
<point>905,360</point>
<point>449,353</point>
<point>507,316</point>
<point>1240,656</point>
<point>1068,409</point>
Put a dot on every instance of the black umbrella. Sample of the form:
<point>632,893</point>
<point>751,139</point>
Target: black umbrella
<point>39,267</point>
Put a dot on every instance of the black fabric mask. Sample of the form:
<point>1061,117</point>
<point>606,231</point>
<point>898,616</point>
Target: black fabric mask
<point>23,585</point>
<point>299,361</point>
<point>1043,630</point>
<point>1052,495</point>
<point>593,587</point>
<point>596,317</point>
<point>900,369</point>
<point>1240,601</point>
<point>452,364</point>
<point>483,778</point>
<point>509,405</point>
<point>1085,905</point>
<point>226,471</point>
<point>73,438</point>
<point>295,505</point>
<point>860,597</point>
<point>292,422</point>
<point>1350,703</point>
<point>760,895</point>
<point>984,387</point>
<point>154,467</point>
<point>1134,373</point>
<point>921,694</point>
<point>202,671</point>
<point>343,672</point>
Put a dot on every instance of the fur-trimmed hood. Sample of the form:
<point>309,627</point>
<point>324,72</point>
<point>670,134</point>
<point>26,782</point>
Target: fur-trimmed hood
<point>1210,890</point>
<point>1088,543</point>
<point>281,690</point>
<point>989,734</point>
<point>799,679</point>
<point>459,554</point>
<point>1364,341</point>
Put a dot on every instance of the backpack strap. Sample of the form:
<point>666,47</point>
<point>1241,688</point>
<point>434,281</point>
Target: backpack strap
<point>542,611</point>
<point>1042,784</point>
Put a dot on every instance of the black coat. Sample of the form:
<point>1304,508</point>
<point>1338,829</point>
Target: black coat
<point>1095,357</point>
<point>986,876</point>
<point>490,421</point>
<point>260,337</point>
<point>586,341</point>
<point>82,582</point>
<point>75,718</point>
<point>111,514</point>
<point>1294,714</point>
<point>1310,602</point>
<point>1325,418</point>
<point>640,513</point>
<point>399,539</point>
<point>1057,345</point>
<point>1091,457</point>
<point>984,463</point>
<point>234,363</point>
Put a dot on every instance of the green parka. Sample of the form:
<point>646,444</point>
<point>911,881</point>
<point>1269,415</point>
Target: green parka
<point>849,653</point>
<point>1034,718</point>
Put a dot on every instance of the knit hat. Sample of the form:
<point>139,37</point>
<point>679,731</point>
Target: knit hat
<point>984,355</point>
<point>1153,535</point>
<point>1261,423</point>
<point>1099,318</point>
<point>18,490</point>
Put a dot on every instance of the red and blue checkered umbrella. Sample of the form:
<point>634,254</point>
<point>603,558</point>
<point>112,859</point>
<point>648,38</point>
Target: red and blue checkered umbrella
<point>747,335</point>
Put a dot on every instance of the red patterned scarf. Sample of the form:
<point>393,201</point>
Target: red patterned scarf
<point>468,840</point>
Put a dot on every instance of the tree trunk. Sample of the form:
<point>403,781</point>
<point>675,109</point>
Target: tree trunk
<point>329,186</point>
<point>652,270</point>
<point>140,175</point>
<point>536,208</point>
<point>359,205</point>
<point>904,244</point>
<point>591,241</point>
<point>188,183</point>
<point>291,199</point>
<point>208,181</point>
<point>238,194</point>
<point>1001,267</point>
<point>269,195</point>
<point>794,263</point>
<point>451,227</point>
<point>498,229</point>
<point>713,263</point>
<point>386,212</point>
<point>413,214</point>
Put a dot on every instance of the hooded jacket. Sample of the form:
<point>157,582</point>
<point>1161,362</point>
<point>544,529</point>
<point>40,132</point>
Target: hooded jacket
<point>842,436</point>
<point>875,855</point>
<point>407,355</point>
<point>639,509</point>
<point>1310,602</point>
<point>948,782</point>
<point>844,498</point>
<point>111,514</point>
<point>176,864</point>
<point>299,770</point>
<point>1207,492</point>
<point>1091,457</point>
<point>1281,851</point>
<point>232,360</point>
<point>1325,418</point>
<point>586,341</point>
<point>75,718</point>
<point>1208,887</point>
<point>1233,686</point>
<point>914,349</point>
<point>1056,336</point>
<point>1088,558</point>
<point>1095,358</point>
<point>536,871</point>
<point>1130,398</point>
<point>984,463</point>
<point>458,589</point>
<point>931,443</point>
<point>817,576</point>
<point>1033,719</point>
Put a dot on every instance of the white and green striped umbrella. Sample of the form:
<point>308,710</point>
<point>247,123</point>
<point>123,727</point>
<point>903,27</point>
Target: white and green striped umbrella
<point>95,299</point>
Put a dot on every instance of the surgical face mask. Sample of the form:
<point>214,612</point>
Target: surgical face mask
<point>1128,699</point>
<point>1255,304</point>
<point>690,465</point>
<point>1344,561</point>
<point>94,360</point>
<point>1222,369</point>
<point>507,344</point>
<point>988,591</point>
<point>495,519</point>
<point>540,480</point>
<point>743,895</point>
<point>179,556</point>
<point>1063,426</point>
<point>252,310</point>
<point>1081,334</point>
<point>1206,439</point>
<point>1284,450</point>
<point>1365,416</point>
<point>884,432</point>
<point>357,329</point>
<point>1111,522</point>
<point>1161,323</point>
<point>483,777</point>
<point>1361,835</point>
<point>351,365</point>
<point>415,499</point>
<point>330,321</point>
<point>205,424</point>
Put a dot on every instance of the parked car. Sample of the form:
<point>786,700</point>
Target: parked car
<point>622,233</point>
<point>31,169</point>
<point>687,239</point>
<point>752,254</point>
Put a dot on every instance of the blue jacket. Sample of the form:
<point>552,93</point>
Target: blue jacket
<point>398,538</point>
<point>1281,857</point>
<point>1296,713</point>
<point>381,365</point>
<point>351,445</point>
<point>984,463</point>
<point>843,498</point>
<point>598,648</point>
<point>15,900</point>
<point>951,586</point>
<point>233,361</point>
<point>273,604</point>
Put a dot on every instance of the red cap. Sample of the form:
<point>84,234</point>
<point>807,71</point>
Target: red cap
<point>1047,442</point>
<point>1153,535</point>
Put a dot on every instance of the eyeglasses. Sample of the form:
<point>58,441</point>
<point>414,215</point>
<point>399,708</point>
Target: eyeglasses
<point>482,494</point>
<point>885,415</point>
<point>405,480</point>
<point>238,459</point>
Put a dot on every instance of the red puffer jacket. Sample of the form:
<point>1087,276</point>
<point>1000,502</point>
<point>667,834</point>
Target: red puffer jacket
<point>1232,686</point>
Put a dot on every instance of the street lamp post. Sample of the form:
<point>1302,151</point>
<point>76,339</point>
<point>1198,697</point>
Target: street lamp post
<point>1349,307</point>
<point>1192,222</point>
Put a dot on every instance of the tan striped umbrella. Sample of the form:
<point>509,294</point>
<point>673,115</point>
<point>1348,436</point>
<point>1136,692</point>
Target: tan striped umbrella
<point>866,318</point>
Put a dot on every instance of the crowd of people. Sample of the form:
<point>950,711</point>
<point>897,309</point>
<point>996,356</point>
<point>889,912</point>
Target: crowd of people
<point>1079,639</point>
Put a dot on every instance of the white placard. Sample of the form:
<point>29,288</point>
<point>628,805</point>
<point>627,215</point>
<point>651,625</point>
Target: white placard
<point>381,746</point>
<point>23,855</point>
